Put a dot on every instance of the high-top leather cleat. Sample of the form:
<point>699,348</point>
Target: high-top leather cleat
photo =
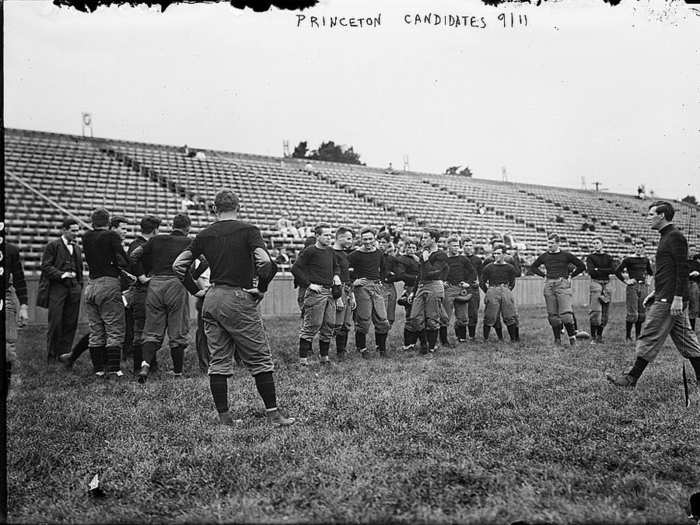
<point>66,360</point>
<point>143,373</point>
<point>277,418</point>
<point>622,380</point>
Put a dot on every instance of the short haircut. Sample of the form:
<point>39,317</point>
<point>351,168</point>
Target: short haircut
<point>384,235</point>
<point>639,241</point>
<point>68,222</point>
<point>149,224</point>
<point>181,221</point>
<point>554,237</point>
<point>411,242</point>
<point>226,200</point>
<point>320,226</point>
<point>598,239</point>
<point>342,230</point>
<point>453,238</point>
<point>466,240</point>
<point>367,230</point>
<point>434,233</point>
<point>100,218</point>
<point>115,221</point>
<point>499,246</point>
<point>664,207</point>
<point>309,241</point>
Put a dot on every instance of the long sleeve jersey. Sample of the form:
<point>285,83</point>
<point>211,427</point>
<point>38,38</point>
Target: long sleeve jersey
<point>557,265</point>
<point>104,253</point>
<point>407,269</point>
<point>461,269</point>
<point>316,266</point>
<point>495,274</point>
<point>366,265</point>
<point>435,268</point>
<point>600,265</point>
<point>637,267</point>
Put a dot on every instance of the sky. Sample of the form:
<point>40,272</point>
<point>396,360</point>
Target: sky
<point>584,91</point>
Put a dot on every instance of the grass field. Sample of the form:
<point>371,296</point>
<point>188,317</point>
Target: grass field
<point>484,433</point>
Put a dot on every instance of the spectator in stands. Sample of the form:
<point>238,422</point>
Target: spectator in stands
<point>558,219</point>
<point>309,168</point>
<point>389,170</point>
<point>585,226</point>
<point>282,258</point>
<point>509,240</point>
<point>15,292</point>
<point>185,204</point>
<point>641,192</point>
<point>615,225</point>
<point>285,226</point>
<point>302,229</point>
<point>60,289</point>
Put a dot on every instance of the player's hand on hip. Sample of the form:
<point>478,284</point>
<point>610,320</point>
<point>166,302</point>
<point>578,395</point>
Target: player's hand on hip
<point>677,306</point>
<point>630,282</point>
<point>202,293</point>
<point>648,300</point>
<point>315,287</point>
<point>257,294</point>
<point>67,275</point>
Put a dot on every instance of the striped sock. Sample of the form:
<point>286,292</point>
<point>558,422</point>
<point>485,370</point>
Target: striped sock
<point>219,391</point>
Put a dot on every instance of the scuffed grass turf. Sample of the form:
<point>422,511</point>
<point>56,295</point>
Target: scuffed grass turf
<point>482,433</point>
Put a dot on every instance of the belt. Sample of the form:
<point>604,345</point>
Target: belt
<point>556,278</point>
<point>324,286</point>
<point>602,281</point>
<point>454,283</point>
<point>499,285</point>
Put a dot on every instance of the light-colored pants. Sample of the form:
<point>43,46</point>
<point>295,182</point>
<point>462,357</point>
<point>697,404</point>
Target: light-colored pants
<point>319,315</point>
<point>634,300</point>
<point>499,300</point>
<point>460,307</point>
<point>389,294</point>
<point>105,312</point>
<point>10,325</point>
<point>657,327</point>
<point>370,308</point>
<point>559,300</point>
<point>167,307</point>
<point>232,323</point>
<point>343,317</point>
<point>427,312</point>
<point>598,311</point>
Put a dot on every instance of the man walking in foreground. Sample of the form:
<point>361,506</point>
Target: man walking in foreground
<point>235,251</point>
<point>667,305</point>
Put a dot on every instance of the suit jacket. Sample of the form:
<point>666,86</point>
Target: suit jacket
<point>55,254</point>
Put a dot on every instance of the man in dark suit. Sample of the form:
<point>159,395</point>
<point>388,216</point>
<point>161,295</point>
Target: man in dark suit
<point>62,273</point>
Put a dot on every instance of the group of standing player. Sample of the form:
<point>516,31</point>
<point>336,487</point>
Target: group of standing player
<point>133,297</point>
